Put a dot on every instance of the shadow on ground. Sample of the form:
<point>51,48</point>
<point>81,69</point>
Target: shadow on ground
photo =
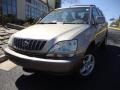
<point>106,76</point>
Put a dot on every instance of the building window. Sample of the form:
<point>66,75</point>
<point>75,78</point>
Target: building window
<point>28,1</point>
<point>9,7</point>
<point>14,3</point>
<point>32,13</point>
<point>4,7</point>
<point>58,3</point>
<point>14,7</point>
<point>35,9</point>
<point>28,11</point>
<point>0,11</point>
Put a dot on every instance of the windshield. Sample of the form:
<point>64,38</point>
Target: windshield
<point>68,16</point>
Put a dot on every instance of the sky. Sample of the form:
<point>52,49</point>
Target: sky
<point>110,8</point>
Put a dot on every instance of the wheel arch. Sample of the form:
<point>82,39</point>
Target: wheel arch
<point>90,46</point>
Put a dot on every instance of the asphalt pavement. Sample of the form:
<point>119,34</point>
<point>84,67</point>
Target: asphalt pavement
<point>105,77</point>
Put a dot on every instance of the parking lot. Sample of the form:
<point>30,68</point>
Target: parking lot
<point>105,77</point>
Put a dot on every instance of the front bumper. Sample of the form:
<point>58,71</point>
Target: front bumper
<point>45,65</point>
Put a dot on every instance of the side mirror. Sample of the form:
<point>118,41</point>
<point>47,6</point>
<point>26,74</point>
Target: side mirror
<point>100,20</point>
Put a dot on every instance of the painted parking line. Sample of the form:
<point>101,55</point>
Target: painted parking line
<point>7,65</point>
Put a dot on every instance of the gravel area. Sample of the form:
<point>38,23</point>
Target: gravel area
<point>4,36</point>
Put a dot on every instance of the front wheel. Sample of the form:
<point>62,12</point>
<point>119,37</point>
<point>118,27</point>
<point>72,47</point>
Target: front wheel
<point>88,65</point>
<point>28,70</point>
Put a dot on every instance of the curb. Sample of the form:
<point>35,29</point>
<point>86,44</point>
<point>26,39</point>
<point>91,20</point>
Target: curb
<point>114,28</point>
<point>3,58</point>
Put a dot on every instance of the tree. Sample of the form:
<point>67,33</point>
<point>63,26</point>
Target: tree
<point>115,23</point>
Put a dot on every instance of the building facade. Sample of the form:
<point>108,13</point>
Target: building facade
<point>35,9</point>
<point>54,3</point>
<point>22,10</point>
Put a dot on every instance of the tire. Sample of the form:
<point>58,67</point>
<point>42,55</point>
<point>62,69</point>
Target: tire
<point>88,64</point>
<point>104,43</point>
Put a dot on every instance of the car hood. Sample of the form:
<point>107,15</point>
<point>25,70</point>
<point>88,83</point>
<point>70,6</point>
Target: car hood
<point>51,31</point>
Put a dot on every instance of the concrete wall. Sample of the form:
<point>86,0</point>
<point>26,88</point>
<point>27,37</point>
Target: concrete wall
<point>52,3</point>
<point>21,9</point>
<point>45,1</point>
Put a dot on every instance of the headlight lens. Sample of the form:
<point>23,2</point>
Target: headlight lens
<point>10,41</point>
<point>64,48</point>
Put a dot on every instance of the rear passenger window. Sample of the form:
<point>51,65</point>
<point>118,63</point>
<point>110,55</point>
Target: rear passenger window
<point>100,12</point>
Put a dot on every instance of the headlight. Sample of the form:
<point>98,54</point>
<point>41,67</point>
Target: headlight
<point>63,48</point>
<point>10,41</point>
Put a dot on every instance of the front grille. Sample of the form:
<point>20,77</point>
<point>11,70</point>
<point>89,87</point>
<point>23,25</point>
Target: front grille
<point>28,44</point>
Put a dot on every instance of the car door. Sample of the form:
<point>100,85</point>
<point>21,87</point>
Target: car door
<point>103,25</point>
<point>99,36</point>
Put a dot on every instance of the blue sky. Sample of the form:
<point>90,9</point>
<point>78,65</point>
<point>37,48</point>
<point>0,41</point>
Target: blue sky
<point>110,8</point>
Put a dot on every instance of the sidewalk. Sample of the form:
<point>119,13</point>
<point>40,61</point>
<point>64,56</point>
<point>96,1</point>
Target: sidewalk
<point>4,36</point>
<point>7,65</point>
<point>115,28</point>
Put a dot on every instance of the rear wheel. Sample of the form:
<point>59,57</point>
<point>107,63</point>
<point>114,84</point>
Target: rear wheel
<point>104,43</point>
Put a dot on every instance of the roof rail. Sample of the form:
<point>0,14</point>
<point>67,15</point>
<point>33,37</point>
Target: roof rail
<point>85,5</point>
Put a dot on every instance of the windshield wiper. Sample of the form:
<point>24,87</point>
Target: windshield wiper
<point>75,23</point>
<point>48,23</point>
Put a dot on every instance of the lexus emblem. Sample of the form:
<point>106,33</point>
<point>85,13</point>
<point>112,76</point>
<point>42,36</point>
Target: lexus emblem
<point>25,43</point>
